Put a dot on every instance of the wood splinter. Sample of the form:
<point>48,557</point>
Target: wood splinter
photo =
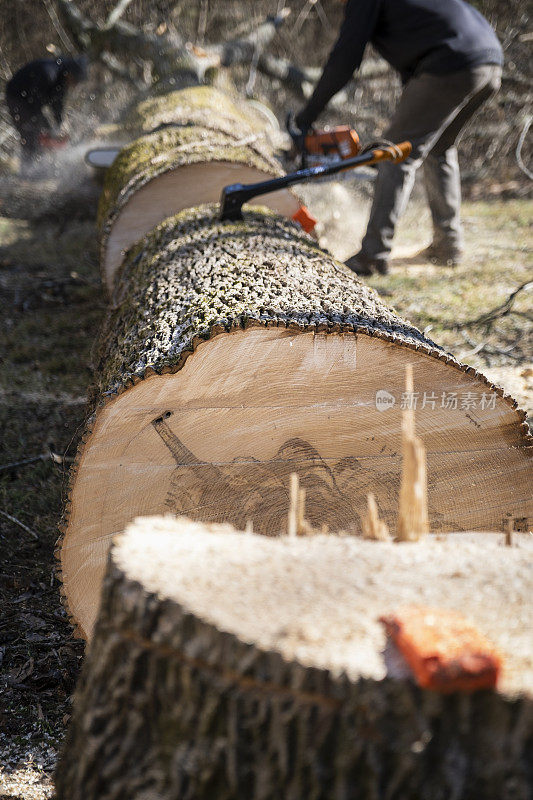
<point>373,526</point>
<point>297,525</point>
<point>509,528</point>
<point>413,521</point>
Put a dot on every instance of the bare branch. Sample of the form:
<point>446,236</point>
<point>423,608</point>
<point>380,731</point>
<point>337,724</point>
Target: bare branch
<point>518,151</point>
<point>500,311</point>
<point>241,51</point>
<point>301,18</point>
<point>202,21</point>
<point>78,26</point>
<point>323,16</point>
<point>301,80</point>
<point>24,462</point>
<point>165,53</point>
<point>116,14</point>
<point>67,43</point>
<point>20,524</point>
<point>488,349</point>
<point>118,68</point>
<point>293,77</point>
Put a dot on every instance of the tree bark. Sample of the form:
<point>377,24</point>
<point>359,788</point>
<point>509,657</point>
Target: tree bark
<point>185,128</point>
<point>175,704</point>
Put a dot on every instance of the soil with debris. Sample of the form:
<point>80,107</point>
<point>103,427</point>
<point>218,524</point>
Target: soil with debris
<point>52,304</point>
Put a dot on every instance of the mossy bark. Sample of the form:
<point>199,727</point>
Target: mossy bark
<point>189,126</point>
<point>196,104</point>
<point>170,707</point>
<point>195,276</point>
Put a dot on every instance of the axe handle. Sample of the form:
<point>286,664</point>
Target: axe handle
<point>234,196</point>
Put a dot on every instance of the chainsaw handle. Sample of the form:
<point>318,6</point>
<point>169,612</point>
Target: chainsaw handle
<point>394,152</point>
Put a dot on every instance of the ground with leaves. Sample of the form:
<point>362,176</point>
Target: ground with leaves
<point>51,307</point>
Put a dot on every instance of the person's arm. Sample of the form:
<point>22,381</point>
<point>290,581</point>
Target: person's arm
<point>356,30</point>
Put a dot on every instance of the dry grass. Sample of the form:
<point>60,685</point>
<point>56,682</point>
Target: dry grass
<point>442,301</point>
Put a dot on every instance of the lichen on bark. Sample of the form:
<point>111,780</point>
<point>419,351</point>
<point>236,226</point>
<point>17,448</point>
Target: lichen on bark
<point>194,104</point>
<point>195,274</point>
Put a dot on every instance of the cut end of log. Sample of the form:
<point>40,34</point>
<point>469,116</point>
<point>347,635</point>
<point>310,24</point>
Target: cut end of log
<point>182,185</point>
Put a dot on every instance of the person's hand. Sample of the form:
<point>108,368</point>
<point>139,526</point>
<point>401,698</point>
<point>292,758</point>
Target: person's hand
<point>296,131</point>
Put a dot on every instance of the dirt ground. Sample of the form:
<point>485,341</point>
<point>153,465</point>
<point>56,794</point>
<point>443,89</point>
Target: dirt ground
<point>51,307</point>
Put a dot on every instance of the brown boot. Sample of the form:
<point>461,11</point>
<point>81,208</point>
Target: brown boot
<point>442,256</point>
<point>362,264</point>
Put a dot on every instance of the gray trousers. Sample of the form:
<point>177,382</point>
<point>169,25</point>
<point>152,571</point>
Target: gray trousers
<point>432,111</point>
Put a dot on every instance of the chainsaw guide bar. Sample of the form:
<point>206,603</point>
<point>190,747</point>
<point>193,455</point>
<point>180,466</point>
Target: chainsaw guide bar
<point>101,157</point>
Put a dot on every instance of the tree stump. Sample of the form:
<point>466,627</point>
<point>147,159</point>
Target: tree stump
<point>229,665</point>
<point>238,353</point>
<point>190,143</point>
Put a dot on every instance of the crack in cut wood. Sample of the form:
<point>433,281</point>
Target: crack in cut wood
<point>248,489</point>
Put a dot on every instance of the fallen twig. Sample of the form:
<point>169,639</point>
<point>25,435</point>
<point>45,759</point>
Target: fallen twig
<point>490,350</point>
<point>32,460</point>
<point>499,311</point>
<point>20,524</point>
<point>55,457</point>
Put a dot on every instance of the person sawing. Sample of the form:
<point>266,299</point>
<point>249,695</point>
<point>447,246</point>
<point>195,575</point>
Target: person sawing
<point>43,82</point>
<point>450,62</point>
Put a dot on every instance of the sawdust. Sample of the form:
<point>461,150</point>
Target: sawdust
<point>518,381</point>
<point>27,782</point>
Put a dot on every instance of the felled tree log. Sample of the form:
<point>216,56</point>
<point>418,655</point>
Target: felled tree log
<point>190,144</point>
<point>227,665</point>
<point>238,353</point>
<point>167,53</point>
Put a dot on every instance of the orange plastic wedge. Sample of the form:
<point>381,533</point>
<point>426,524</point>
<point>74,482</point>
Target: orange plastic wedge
<point>445,652</point>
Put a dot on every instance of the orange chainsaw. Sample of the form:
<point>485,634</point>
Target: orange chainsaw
<point>49,142</point>
<point>317,148</point>
<point>233,196</point>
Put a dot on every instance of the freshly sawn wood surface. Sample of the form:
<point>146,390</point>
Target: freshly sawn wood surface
<point>238,353</point>
<point>226,665</point>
